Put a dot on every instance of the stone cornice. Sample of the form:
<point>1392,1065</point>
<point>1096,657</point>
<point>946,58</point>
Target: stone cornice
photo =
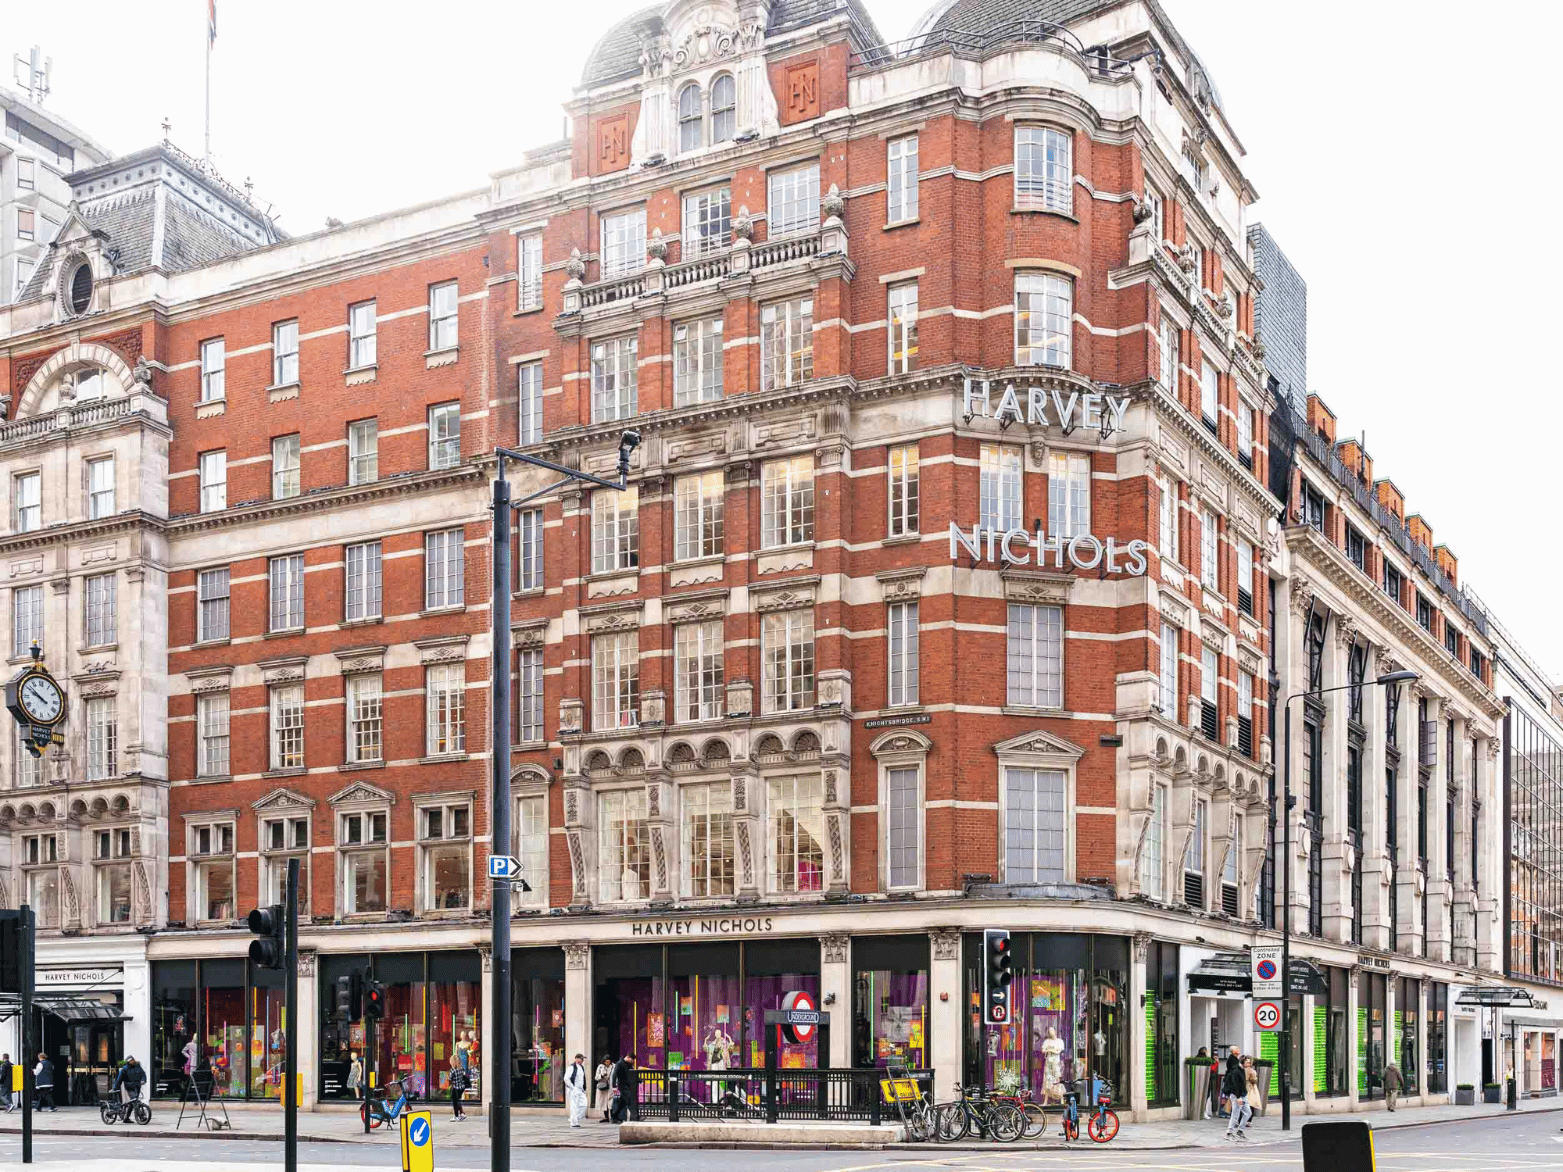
<point>1327,563</point>
<point>1194,433</point>
<point>82,531</point>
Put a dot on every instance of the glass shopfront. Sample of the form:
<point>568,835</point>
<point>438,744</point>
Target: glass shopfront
<point>890,1001</point>
<point>700,1006</point>
<point>1331,1033</point>
<point>1408,1016</point>
<point>219,1022</point>
<point>1372,992</point>
<point>1070,1016</point>
<point>537,1026</point>
<point>432,1023</point>
<point>1161,1023</point>
<point>1437,1038</point>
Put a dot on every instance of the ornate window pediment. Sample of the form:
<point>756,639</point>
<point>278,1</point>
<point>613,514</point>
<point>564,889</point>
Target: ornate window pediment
<point>1044,747</point>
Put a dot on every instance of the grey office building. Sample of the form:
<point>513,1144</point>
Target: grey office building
<point>1281,315</point>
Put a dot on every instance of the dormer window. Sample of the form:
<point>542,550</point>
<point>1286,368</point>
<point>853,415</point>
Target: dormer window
<point>77,285</point>
<point>692,111</point>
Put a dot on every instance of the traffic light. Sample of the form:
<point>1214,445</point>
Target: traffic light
<point>998,972</point>
<point>374,999</point>
<point>270,924</point>
<point>349,997</point>
<point>11,949</point>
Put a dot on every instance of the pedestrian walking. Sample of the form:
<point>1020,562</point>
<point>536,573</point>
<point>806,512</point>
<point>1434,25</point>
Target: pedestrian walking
<point>1251,1097</point>
<point>6,1102</point>
<point>602,1078</point>
<point>1392,1081</point>
<point>575,1084</point>
<point>43,1080</point>
<point>624,1080</point>
<point>458,1083</point>
<point>1235,1087</point>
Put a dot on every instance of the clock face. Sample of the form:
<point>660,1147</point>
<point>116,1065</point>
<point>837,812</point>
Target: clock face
<point>41,699</point>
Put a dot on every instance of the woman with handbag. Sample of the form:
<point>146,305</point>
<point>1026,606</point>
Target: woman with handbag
<point>458,1083</point>
<point>603,1080</point>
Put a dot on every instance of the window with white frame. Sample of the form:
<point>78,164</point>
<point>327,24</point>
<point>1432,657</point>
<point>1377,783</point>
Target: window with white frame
<point>1044,175</point>
<point>999,490</point>
<point>363,575</point>
<point>363,845</point>
<point>444,435</point>
<point>1035,826</point>
<point>529,696</point>
<point>29,769</point>
<point>691,119</point>
<point>26,223</point>
<point>1209,540</point>
<point>786,343</point>
<point>623,243</point>
<point>363,451</point>
<point>1169,670</point>
<point>903,490</point>
<point>1194,856</point>
<point>284,467</point>
<point>214,481</point>
<point>1158,214</point>
<point>529,272</point>
<point>698,526</point>
<point>706,832</point>
<point>615,680</point>
<point>1169,353</point>
<point>26,619</point>
<point>1044,311</point>
<point>1209,402</point>
<point>211,591</point>
<point>211,722</point>
<point>1245,576</point>
<point>1209,682</point>
<point>903,328</point>
<point>623,846</point>
<point>445,841</point>
<point>27,493</point>
<point>615,378</point>
<point>529,552</point>
<point>214,362</point>
<point>901,620</point>
<point>1068,494</point>
<point>287,727</point>
<point>282,839</point>
<point>1167,519</point>
<point>445,723</point>
<point>444,562</point>
<point>211,853</point>
<point>362,335</point>
<point>787,645</point>
<point>284,353</point>
<point>794,200</point>
<point>43,885</point>
<point>724,108</point>
<point>697,361</point>
<point>1034,654</point>
<point>442,316</point>
<point>26,170</point>
<point>903,828</point>
<point>529,402</point>
<point>1153,853</point>
<point>615,530</point>
<point>365,718</point>
<point>1245,431</point>
<point>708,222</point>
<point>100,488</point>
<point>114,893</point>
<point>1229,898</point>
<point>529,842</point>
<point>1245,713</point>
<point>901,179</point>
<point>698,681</point>
<point>102,605</point>
<point>787,501</point>
<point>795,832</point>
<point>102,738</point>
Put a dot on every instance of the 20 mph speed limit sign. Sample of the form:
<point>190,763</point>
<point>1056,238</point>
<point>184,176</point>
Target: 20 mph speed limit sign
<point>1267,1015</point>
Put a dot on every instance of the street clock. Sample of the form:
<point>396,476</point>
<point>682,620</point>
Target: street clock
<point>37,703</point>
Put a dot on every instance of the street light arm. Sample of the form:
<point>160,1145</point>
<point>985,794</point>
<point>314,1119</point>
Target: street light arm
<point>568,473</point>
<point>1394,677</point>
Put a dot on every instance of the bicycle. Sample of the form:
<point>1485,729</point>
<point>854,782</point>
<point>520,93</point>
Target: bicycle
<point>1036,1115</point>
<point>385,1111</point>
<point>1102,1125</point>
<point>1000,1120</point>
<point>113,1111</point>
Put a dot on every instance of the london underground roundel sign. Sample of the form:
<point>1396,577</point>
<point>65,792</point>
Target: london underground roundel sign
<point>802,1017</point>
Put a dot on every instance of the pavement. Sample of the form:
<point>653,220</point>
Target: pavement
<point>545,1128</point>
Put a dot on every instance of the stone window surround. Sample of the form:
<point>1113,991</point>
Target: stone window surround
<point>902,748</point>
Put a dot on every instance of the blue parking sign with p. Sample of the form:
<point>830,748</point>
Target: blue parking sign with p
<point>503,867</point>
<point>418,1142</point>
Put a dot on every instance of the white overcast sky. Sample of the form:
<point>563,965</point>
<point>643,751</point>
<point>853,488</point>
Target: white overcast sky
<point>1399,149</point>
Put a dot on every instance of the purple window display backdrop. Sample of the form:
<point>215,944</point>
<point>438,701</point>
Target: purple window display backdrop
<point>1045,1000</point>
<point>706,1024</point>
<point>891,1019</point>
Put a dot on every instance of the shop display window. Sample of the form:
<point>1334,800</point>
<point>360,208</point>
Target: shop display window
<point>890,1001</point>
<point>537,1027</point>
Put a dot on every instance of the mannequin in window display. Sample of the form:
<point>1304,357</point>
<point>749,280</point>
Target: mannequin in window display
<point>718,1047</point>
<point>1052,1067</point>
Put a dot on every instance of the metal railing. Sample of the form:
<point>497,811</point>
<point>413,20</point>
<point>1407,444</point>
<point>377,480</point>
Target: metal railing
<point>967,42</point>
<point>767,1096</point>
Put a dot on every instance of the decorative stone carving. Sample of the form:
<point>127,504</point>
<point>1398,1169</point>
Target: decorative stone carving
<point>486,956</point>
<point>660,854</point>
<point>1493,748</point>
<point>743,853</point>
<point>68,900</point>
<point>740,792</point>
<point>835,849</point>
<point>1142,943</point>
<point>571,808</point>
<point>834,205</point>
<point>830,787</point>
<point>306,964</point>
<point>574,266</point>
<point>1302,595</point>
<point>656,247</point>
<point>946,943</point>
<point>743,224</point>
<point>577,866</point>
<point>1186,260</point>
<point>142,373</point>
<point>142,912</point>
<point>1345,631</point>
<point>834,948</point>
<point>654,801</point>
<point>577,956</point>
<point>1224,307</point>
<point>571,712</point>
<point>1142,209</point>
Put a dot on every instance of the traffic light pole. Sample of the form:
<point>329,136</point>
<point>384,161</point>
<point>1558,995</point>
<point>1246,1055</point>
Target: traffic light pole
<point>28,1055</point>
<point>290,1087</point>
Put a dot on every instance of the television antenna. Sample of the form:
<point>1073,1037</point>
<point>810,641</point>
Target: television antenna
<point>32,74</point>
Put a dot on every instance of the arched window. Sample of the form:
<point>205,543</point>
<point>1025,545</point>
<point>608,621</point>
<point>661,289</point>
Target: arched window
<point>724,108</point>
<point>689,118</point>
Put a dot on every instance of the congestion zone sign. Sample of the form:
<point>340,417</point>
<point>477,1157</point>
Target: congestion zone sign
<point>1267,1015</point>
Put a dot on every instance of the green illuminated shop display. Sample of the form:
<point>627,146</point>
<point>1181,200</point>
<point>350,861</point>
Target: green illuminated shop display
<point>1150,1046</point>
<point>1320,1052</point>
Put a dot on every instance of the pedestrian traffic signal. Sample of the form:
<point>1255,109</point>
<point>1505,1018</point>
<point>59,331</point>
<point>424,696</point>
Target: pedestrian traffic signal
<point>374,1000</point>
<point>998,972</point>
<point>270,951</point>
<point>349,997</point>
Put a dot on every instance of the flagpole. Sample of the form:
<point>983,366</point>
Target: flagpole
<point>208,30</point>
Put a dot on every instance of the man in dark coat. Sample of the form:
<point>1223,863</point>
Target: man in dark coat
<point>624,1080</point>
<point>131,1078</point>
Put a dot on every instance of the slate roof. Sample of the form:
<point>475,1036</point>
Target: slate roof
<point>976,16</point>
<point>617,55</point>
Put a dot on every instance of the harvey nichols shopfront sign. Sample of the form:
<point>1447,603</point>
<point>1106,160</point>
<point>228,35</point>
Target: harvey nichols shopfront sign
<point>1017,547</point>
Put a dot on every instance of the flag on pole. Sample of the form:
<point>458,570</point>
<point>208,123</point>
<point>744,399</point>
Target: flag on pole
<point>211,22</point>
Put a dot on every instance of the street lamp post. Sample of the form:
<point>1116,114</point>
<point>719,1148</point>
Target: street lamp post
<point>499,761</point>
<point>1394,677</point>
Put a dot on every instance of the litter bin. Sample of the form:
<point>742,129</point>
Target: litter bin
<point>1265,1068</point>
<point>1196,1084</point>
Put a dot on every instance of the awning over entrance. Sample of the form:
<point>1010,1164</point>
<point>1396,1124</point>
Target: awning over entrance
<point>1501,996</point>
<point>64,1008</point>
